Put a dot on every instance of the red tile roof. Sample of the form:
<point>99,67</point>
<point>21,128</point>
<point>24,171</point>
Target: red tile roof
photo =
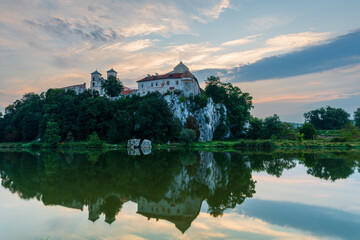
<point>126,91</point>
<point>165,76</point>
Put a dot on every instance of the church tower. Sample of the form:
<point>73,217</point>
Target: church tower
<point>111,72</point>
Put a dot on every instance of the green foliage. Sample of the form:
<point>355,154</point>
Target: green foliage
<point>287,131</point>
<point>22,118</point>
<point>308,130</point>
<point>214,89</point>
<point>299,136</point>
<point>85,113</point>
<point>272,126</point>
<point>256,128</point>
<point>237,103</point>
<point>191,123</point>
<point>350,132</point>
<point>178,92</point>
<point>51,134</point>
<point>182,99</point>
<point>357,117</point>
<point>112,86</point>
<point>327,118</point>
<point>221,131</point>
<point>154,120</point>
<point>197,102</point>
<point>187,136</point>
<point>94,141</point>
<point>2,128</point>
<point>121,127</point>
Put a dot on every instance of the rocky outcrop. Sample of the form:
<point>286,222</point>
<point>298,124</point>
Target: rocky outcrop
<point>146,144</point>
<point>208,117</point>
<point>133,143</point>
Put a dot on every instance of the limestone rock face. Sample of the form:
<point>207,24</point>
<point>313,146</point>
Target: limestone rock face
<point>208,117</point>
<point>146,144</point>
<point>133,143</point>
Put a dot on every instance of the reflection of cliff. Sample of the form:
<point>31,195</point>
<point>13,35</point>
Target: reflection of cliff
<point>174,183</point>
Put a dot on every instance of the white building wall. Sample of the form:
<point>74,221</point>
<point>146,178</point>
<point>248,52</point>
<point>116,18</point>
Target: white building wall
<point>187,85</point>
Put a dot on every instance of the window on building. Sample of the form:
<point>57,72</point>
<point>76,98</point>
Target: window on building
<point>156,84</point>
<point>93,84</point>
<point>142,85</point>
<point>167,82</point>
<point>152,84</point>
<point>93,79</point>
<point>177,82</point>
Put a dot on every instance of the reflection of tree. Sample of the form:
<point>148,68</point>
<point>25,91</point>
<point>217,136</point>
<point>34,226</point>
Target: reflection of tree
<point>235,186</point>
<point>331,165</point>
<point>111,207</point>
<point>272,163</point>
<point>105,180</point>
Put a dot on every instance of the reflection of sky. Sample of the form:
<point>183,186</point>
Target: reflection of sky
<point>295,206</point>
<point>295,185</point>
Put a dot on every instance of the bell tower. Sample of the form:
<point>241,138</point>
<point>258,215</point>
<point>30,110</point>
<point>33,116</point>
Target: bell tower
<point>111,72</point>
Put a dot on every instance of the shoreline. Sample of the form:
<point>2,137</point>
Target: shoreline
<point>232,145</point>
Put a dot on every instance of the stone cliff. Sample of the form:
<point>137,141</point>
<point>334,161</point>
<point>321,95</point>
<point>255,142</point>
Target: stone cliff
<point>208,117</point>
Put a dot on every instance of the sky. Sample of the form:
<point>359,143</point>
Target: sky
<point>291,56</point>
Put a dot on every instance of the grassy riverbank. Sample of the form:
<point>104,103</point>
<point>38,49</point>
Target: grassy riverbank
<point>266,144</point>
<point>225,145</point>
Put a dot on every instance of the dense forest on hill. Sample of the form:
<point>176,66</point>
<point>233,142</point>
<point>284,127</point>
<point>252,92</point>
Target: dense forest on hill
<point>60,115</point>
<point>70,116</point>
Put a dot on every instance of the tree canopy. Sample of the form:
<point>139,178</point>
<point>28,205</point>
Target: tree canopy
<point>357,117</point>
<point>35,115</point>
<point>237,103</point>
<point>328,118</point>
<point>112,86</point>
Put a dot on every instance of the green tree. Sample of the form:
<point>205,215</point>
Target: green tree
<point>256,128</point>
<point>272,126</point>
<point>237,103</point>
<point>287,131</point>
<point>187,136</point>
<point>94,141</point>
<point>51,134</point>
<point>350,132</point>
<point>327,118</point>
<point>215,89</point>
<point>191,123</point>
<point>154,120</point>
<point>357,117</point>
<point>308,130</point>
<point>112,86</point>
<point>121,127</point>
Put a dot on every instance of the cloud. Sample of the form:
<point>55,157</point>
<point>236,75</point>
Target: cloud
<point>341,51</point>
<point>69,31</point>
<point>211,10</point>
<point>241,41</point>
<point>266,22</point>
<point>321,221</point>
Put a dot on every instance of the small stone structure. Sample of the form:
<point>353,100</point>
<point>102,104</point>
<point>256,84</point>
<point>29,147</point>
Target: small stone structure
<point>146,144</point>
<point>133,143</point>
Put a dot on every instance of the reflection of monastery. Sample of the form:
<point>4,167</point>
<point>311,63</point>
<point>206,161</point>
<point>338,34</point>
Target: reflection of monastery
<point>180,79</point>
<point>180,213</point>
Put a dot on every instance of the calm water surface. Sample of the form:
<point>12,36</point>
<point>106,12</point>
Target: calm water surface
<point>179,195</point>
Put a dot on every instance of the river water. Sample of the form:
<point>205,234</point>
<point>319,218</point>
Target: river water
<point>180,195</point>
